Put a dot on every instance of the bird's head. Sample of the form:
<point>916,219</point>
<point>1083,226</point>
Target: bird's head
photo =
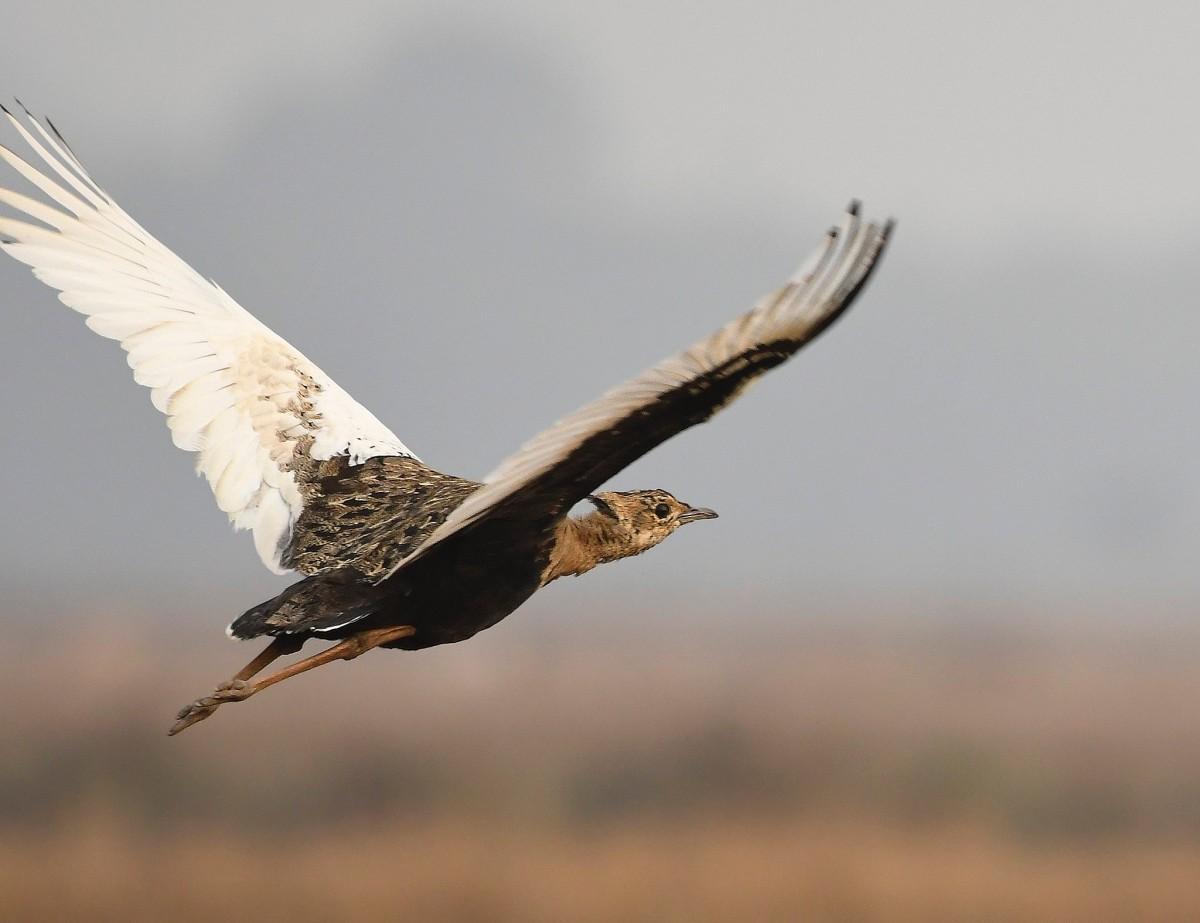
<point>646,517</point>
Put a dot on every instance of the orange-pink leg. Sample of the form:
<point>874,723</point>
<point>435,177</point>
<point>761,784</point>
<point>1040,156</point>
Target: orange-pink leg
<point>239,689</point>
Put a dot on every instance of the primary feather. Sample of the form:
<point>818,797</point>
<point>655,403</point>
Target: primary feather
<point>576,455</point>
<point>251,406</point>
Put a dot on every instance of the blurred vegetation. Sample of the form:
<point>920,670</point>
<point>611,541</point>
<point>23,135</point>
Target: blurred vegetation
<point>835,767</point>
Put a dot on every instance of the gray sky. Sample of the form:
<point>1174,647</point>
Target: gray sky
<point>476,217</point>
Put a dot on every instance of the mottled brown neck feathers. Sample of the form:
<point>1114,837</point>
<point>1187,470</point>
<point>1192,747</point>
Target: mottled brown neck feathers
<point>581,544</point>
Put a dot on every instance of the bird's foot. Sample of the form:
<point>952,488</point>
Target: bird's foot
<point>193,714</point>
<point>232,691</point>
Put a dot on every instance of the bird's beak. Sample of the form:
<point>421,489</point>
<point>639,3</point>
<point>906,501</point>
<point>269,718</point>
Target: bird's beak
<point>696,513</point>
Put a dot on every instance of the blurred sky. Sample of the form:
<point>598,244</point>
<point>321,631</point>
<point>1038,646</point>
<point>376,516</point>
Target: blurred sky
<point>476,217</point>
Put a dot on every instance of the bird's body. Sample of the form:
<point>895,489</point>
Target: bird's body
<point>370,515</point>
<point>393,553</point>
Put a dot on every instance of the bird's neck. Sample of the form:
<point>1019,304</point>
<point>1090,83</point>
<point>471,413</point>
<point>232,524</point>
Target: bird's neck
<point>582,543</point>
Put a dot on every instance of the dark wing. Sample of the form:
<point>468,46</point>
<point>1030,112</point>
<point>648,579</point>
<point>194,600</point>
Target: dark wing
<point>571,459</point>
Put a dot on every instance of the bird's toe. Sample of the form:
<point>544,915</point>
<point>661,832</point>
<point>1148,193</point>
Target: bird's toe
<point>191,714</point>
<point>206,704</point>
<point>232,691</point>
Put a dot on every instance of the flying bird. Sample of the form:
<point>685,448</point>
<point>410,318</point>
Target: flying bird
<point>392,552</point>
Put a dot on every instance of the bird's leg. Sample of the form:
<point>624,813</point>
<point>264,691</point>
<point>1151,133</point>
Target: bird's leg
<point>202,708</point>
<point>280,647</point>
<point>238,689</point>
<point>351,647</point>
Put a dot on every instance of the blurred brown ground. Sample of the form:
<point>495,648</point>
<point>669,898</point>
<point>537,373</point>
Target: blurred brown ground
<point>828,765</point>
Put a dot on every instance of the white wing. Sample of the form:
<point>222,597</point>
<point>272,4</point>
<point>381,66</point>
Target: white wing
<point>234,392</point>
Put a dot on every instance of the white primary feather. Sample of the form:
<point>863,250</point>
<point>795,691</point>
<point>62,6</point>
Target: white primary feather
<point>232,390</point>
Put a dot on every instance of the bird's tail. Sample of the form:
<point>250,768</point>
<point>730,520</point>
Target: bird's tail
<point>316,604</point>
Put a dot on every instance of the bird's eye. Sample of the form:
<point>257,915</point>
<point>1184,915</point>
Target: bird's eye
<point>662,511</point>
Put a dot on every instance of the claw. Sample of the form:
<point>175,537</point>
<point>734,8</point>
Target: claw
<point>234,690</point>
<point>193,714</point>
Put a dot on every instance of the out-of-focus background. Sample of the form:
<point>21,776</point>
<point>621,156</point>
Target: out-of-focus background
<point>937,659</point>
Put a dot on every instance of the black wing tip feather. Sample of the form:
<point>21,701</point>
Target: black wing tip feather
<point>58,134</point>
<point>45,118</point>
<point>874,257</point>
<point>854,210</point>
<point>842,300</point>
